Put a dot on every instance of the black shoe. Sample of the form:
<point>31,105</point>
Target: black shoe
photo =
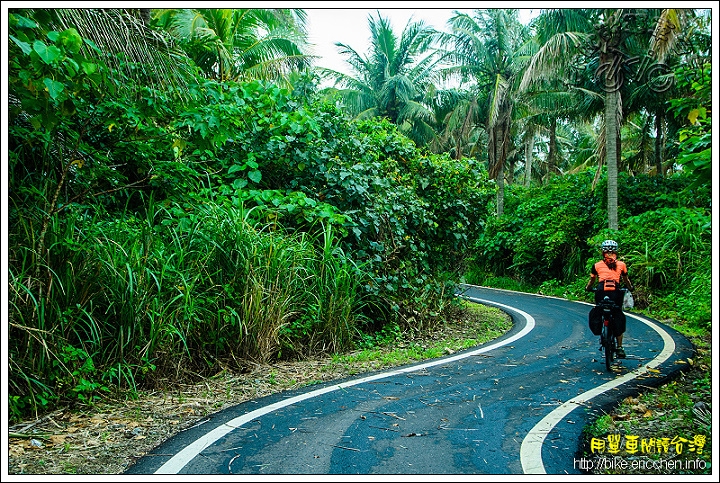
<point>620,353</point>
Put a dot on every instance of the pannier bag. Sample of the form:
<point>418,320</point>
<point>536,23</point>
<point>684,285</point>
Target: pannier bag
<point>595,320</point>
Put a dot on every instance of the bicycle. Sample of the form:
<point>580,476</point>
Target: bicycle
<point>608,343</point>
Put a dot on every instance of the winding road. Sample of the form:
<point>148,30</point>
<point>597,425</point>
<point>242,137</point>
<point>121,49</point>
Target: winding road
<point>516,405</point>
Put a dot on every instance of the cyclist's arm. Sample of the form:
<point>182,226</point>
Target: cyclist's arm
<point>591,283</point>
<point>627,282</point>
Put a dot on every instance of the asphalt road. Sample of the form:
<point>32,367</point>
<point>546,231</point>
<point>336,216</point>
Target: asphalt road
<point>516,405</point>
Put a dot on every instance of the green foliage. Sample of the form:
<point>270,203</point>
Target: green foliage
<point>388,335</point>
<point>666,245</point>
<point>669,253</point>
<point>330,318</point>
<point>393,80</point>
<point>553,232</point>
<point>641,193</point>
<point>79,372</point>
<point>237,43</point>
<point>178,290</point>
<point>541,236</point>
<point>184,231</point>
<point>50,83</point>
<point>693,109</point>
<point>407,216</point>
<point>600,427</point>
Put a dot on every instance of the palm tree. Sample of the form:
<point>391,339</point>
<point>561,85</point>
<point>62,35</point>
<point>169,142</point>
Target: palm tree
<point>651,91</point>
<point>549,83</point>
<point>395,79</point>
<point>618,33</point>
<point>487,50</point>
<point>240,44</point>
<point>461,114</point>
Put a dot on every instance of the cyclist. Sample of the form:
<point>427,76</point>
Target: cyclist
<point>608,273</point>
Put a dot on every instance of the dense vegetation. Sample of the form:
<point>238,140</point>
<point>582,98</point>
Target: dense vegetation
<point>162,226</point>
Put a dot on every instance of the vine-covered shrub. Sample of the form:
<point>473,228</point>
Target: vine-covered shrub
<point>406,216</point>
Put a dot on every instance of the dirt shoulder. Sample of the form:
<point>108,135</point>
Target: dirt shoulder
<point>109,437</point>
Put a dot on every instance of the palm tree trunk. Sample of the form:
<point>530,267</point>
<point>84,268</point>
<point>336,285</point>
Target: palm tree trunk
<point>659,117</point>
<point>612,101</point>
<point>500,179</point>
<point>529,144</point>
<point>552,149</point>
<point>146,16</point>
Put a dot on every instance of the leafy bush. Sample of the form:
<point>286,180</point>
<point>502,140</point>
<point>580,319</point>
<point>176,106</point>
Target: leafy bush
<point>406,216</point>
<point>544,236</point>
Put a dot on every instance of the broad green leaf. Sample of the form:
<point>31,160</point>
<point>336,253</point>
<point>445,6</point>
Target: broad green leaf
<point>68,107</point>
<point>71,40</point>
<point>23,22</point>
<point>89,68</point>
<point>54,88</point>
<point>36,122</point>
<point>26,76</point>
<point>92,44</point>
<point>47,54</point>
<point>255,175</point>
<point>24,46</point>
<point>71,66</point>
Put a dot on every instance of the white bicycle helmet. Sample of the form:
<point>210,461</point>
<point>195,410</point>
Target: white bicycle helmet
<point>609,246</point>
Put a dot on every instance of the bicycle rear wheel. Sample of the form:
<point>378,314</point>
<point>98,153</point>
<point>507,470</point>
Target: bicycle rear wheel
<point>608,347</point>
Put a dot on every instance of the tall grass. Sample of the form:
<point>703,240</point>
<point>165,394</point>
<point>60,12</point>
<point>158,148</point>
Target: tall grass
<point>333,314</point>
<point>130,300</point>
<point>667,246</point>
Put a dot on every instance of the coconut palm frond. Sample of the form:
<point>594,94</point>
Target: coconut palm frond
<point>123,31</point>
<point>553,56</point>
<point>666,33</point>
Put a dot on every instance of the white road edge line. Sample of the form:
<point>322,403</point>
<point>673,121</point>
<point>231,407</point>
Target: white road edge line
<point>531,447</point>
<point>175,464</point>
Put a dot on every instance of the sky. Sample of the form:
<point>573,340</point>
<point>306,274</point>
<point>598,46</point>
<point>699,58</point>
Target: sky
<point>326,26</point>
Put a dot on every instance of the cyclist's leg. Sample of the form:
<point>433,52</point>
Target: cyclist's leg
<point>619,350</point>
<point>619,328</point>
